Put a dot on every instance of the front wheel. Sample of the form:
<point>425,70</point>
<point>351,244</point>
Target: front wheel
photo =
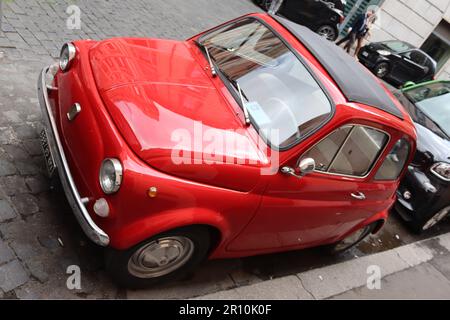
<point>381,70</point>
<point>165,257</point>
<point>328,32</point>
<point>352,240</point>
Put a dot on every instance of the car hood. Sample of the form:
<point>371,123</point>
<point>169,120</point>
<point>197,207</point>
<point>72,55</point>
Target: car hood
<point>170,113</point>
<point>428,142</point>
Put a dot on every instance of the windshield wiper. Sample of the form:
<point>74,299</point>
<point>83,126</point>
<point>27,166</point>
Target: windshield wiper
<point>211,64</point>
<point>244,105</point>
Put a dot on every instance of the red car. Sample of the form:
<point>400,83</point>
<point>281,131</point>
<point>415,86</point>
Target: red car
<point>257,136</point>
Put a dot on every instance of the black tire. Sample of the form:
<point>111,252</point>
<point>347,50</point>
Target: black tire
<point>338,247</point>
<point>382,70</point>
<point>328,31</point>
<point>117,261</point>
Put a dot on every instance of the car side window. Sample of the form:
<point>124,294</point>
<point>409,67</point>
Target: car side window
<point>416,56</point>
<point>325,151</point>
<point>394,162</point>
<point>350,150</point>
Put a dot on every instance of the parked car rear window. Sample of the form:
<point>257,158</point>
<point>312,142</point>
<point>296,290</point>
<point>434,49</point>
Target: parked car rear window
<point>394,162</point>
<point>284,101</point>
<point>350,150</point>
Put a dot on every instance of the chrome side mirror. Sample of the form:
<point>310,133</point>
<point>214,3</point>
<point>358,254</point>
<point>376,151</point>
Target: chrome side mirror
<point>305,167</point>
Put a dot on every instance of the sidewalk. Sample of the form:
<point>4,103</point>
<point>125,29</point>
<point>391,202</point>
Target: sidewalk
<point>417,271</point>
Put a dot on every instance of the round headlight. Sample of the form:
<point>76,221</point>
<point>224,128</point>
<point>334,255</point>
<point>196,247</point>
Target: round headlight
<point>111,176</point>
<point>384,52</point>
<point>68,53</point>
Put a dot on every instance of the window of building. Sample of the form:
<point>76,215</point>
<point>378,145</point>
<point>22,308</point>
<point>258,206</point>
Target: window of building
<point>438,44</point>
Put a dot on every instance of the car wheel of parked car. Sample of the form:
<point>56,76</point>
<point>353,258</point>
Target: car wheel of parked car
<point>165,257</point>
<point>328,32</point>
<point>382,69</point>
<point>352,240</point>
<point>422,225</point>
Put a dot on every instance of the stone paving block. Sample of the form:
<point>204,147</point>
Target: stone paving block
<point>13,185</point>
<point>329,281</point>
<point>12,275</point>
<point>33,147</point>
<point>27,167</point>
<point>15,152</point>
<point>7,168</point>
<point>37,184</point>
<point>6,211</point>
<point>421,282</point>
<point>286,288</point>
<point>414,254</point>
<point>6,254</point>
<point>442,263</point>
<point>26,204</point>
<point>7,135</point>
<point>444,240</point>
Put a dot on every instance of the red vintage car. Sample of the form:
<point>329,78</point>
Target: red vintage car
<point>255,137</point>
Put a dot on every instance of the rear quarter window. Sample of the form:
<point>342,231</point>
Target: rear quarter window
<point>395,161</point>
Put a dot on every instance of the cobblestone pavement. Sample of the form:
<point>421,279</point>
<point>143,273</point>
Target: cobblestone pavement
<point>39,27</point>
<point>39,237</point>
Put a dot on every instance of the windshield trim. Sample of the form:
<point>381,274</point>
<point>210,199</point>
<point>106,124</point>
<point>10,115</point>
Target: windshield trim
<point>301,59</point>
<point>407,96</point>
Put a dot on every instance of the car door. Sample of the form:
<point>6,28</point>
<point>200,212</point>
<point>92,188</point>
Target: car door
<point>320,206</point>
<point>411,67</point>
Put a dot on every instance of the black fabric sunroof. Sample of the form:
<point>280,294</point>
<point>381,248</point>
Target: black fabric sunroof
<point>355,82</point>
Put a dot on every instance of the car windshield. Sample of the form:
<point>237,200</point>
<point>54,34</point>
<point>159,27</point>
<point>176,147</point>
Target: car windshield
<point>283,100</point>
<point>397,46</point>
<point>434,101</point>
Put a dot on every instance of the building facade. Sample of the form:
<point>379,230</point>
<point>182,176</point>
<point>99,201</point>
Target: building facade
<point>423,23</point>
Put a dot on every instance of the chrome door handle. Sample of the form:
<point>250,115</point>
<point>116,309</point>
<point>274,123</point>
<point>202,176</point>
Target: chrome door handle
<point>359,196</point>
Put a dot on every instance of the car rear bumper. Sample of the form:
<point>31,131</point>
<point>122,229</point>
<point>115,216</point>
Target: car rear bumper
<point>93,232</point>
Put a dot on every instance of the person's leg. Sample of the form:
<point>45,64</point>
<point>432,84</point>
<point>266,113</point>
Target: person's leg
<point>344,39</point>
<point>359,45</point>
<point>350,42</point>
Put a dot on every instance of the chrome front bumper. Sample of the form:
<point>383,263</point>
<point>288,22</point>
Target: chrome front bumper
<point>94,233</point>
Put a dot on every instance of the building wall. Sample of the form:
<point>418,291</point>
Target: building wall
<point>412,21</point>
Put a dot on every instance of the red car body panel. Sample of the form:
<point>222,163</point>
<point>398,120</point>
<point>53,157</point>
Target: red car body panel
<point>136,92</point>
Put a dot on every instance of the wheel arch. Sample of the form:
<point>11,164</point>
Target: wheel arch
<point>152,225</point>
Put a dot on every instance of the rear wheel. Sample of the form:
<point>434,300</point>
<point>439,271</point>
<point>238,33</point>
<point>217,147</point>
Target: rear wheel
<point>381,70</point>
<point>328,32</point>
<point>165,257</point>
<point>352,240</point>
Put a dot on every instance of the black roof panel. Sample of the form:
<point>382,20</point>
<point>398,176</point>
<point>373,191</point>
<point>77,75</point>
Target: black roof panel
<point>355,82</point>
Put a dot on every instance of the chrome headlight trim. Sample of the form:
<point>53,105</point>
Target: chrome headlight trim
<point>384,52</point>
<point>437,174</point>
<point>115,175</point>
<point>68,53</point>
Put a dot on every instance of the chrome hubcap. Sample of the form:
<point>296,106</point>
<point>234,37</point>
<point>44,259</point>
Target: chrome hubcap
<point>161,257</point>
<point>352,239</point>
<point>326,32</point>
<point>435,219</point>
<point>382,71</point>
